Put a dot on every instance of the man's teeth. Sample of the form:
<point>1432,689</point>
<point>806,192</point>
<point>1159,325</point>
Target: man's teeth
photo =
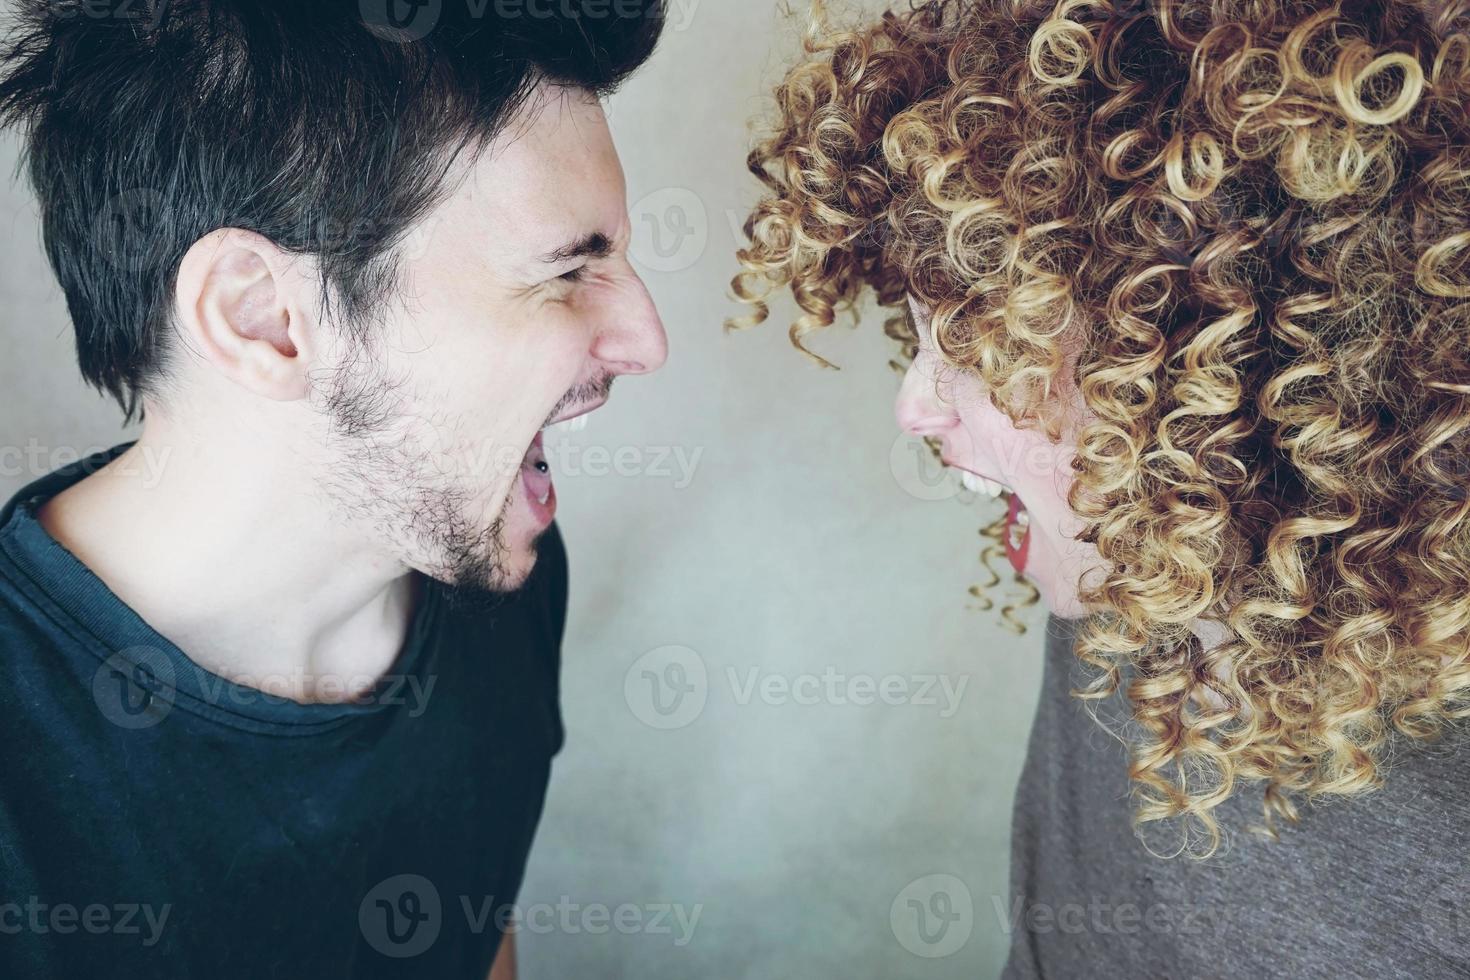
<point>576,424</point>
<point>979,484</point>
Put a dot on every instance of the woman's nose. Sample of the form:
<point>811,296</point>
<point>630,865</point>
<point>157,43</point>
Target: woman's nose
<point>919,408</point>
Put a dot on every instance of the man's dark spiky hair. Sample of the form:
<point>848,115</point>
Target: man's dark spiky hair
<point>327,126</point>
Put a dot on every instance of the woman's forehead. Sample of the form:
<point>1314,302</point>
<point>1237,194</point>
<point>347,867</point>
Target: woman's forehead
<point>919,316</point>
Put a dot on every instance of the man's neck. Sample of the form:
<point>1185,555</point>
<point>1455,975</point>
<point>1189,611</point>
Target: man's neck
<point>229,555</point>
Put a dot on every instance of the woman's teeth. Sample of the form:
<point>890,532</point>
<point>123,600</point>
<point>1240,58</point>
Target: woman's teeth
<point>979,484</point>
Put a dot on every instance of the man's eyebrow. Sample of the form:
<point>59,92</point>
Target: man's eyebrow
<point>596,246</point>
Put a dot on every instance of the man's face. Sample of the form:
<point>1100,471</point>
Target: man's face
<point>518,308</point>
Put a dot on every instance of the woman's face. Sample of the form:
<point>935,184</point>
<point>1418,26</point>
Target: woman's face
<point>953,407</point>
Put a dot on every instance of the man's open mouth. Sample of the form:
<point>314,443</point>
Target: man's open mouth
<point>535,474</point>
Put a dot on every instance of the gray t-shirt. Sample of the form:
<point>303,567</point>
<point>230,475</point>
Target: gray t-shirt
<point>1376,886</point>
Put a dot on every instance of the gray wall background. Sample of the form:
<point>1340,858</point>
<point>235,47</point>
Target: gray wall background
<point>752,521</point>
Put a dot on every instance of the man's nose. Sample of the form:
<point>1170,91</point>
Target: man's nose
<point>919,408</point>
<point>633,341</point>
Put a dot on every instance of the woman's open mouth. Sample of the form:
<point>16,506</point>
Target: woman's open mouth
<point>1017,534</point>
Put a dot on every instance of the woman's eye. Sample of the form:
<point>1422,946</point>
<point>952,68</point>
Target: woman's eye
<point>573,275</point>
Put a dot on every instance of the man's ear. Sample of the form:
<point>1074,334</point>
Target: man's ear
<point>244,306</point>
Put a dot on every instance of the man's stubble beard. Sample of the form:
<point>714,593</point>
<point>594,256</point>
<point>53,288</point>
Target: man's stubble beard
<point>382,472</point>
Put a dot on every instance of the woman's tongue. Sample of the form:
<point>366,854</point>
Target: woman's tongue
<point>536,478</point>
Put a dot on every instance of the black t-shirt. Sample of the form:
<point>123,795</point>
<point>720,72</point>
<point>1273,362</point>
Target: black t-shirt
<point>158,821</point>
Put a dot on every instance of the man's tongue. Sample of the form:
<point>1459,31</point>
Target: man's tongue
<point>537,478</point>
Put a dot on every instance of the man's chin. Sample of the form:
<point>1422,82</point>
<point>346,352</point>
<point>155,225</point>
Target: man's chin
<point>519,565</point>
<point>485,582</point>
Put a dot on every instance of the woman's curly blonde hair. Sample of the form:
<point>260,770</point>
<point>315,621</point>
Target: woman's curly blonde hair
<point>1237,235</point>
